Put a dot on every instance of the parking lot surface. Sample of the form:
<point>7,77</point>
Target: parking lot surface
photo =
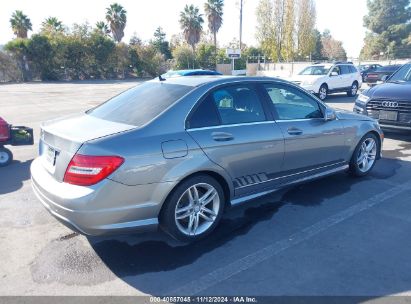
<point>334,236</point>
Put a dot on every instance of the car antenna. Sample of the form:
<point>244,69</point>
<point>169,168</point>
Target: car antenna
<point>161,78</point>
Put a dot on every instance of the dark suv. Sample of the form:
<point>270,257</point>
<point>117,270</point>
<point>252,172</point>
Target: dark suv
<point>389,102</point>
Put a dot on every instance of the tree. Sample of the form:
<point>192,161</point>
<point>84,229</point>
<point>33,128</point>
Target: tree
<point>318,46</point>
<point>332,49</point>
<point>41,53</point>
<point>161,44</point>
<point>389,22</point>
<point>183,57</point>
<point>52,26</point>
<point>116,16</point>
<point>206,56</point>
<point>20,24</point>
<point>191,22</point>
<point>18,48</point>
<point>214,13</point>
<point>265,31</point>
<point>306,35</point>
<point>288,48</point>
<point>102,28</point>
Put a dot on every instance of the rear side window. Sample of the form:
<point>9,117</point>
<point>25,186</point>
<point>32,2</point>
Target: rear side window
<point>353,69</point>
<point>238,104</point>
<point>140,104</point>
<point>345,69</point>
<point>205,115</point>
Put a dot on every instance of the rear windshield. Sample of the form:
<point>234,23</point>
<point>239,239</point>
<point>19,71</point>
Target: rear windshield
<point>388,68</point>
<point>140,104</point>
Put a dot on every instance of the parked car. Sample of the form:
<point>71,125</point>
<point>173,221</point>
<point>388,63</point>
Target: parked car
<point>367,68</point>
<point>197,72</point>
<point>177,153</point>
<point>324,78</point>
<point>389,102</point>
<point>377,75</point>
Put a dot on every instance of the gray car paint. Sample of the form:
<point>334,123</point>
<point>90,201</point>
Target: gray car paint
<point>161,153</point>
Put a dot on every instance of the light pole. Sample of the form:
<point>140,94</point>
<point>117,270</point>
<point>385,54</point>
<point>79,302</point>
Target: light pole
<point>241,23</point>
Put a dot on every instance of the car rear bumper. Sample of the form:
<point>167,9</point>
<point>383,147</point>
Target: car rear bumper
<point>106,208</point>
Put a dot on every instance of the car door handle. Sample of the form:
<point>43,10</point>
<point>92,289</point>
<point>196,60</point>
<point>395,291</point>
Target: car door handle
<point>222,136</point>
<point>294,131</point>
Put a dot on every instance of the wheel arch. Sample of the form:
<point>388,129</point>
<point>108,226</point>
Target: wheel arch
<point>227,190</point>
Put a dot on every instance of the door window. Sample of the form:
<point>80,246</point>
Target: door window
<point>336,69</point>
<point>238,104</point>
<point>291,104</point>
<point>345,69</point>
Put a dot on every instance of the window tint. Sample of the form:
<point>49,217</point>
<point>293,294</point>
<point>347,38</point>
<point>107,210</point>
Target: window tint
<point>290,103</point>
<point>345,69</point>
<point>238,104</point>
<point>336,69</point>
<point>205,115</point>
<point>140,104</point>
<point>353,69</point>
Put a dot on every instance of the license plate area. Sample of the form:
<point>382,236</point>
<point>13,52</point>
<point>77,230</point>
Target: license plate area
<point>388,115</point>
<point>49,156</point>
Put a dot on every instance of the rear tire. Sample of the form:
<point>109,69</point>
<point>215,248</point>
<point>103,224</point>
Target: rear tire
<point>6,157</point>
<point>193,209</point>
<point>323,92</point>
<point>365,155</point>
<point>354,89</point>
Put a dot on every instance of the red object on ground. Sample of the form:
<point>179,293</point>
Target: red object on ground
<point>4,130</point>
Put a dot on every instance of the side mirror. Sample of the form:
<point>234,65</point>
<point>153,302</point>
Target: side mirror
<point>334,74</point>
<point>384,78</point>
<point>329,114</point>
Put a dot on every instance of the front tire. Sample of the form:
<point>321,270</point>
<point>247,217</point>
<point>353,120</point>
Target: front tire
<point>354,89</point>
<point>6,157</point>
<point>365,155</point>
<point>194,209</point>
<point>323,92</point>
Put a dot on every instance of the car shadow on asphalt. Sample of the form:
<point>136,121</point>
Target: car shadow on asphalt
<point>13,176</point>
<point>340,98</point>
<point>151,265</point>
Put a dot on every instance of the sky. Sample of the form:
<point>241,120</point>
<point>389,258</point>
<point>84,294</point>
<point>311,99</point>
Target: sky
<point>344,18</point>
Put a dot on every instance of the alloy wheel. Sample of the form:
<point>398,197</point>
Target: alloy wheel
<point>354,90</point>
<point>197,209</point>
<point>323,93</point>
<point>367,155</point>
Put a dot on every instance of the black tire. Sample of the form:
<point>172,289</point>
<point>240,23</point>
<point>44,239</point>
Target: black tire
<point>6,157</point>
<point>354,89</point>
<point>168,221</point>
<point>323,92</point>
<point>354,168</point>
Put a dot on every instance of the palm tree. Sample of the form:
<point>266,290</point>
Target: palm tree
<point>102,28</point>
<point>52,25</point>
<point>20,24</point>
<point>116,16</point>
<point>214,13</point>
<point>191,22</point>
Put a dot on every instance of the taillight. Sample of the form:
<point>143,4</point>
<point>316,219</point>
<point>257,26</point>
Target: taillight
<point>87,170</point>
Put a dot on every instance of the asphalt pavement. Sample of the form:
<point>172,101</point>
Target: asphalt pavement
<point>337,236</point>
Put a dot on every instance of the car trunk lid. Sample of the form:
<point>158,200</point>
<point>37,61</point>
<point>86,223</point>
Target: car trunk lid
<point>62,138</point>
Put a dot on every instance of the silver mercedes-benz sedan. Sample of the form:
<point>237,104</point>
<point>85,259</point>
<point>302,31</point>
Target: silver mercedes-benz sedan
<point>176,153</point>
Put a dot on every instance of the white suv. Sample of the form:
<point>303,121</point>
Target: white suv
<point>326,78</point>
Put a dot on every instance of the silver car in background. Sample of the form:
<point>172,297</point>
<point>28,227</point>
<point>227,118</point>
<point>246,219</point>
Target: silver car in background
<point>176,153</point>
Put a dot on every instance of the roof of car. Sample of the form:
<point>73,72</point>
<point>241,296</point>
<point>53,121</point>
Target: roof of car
<point>196,81</point>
